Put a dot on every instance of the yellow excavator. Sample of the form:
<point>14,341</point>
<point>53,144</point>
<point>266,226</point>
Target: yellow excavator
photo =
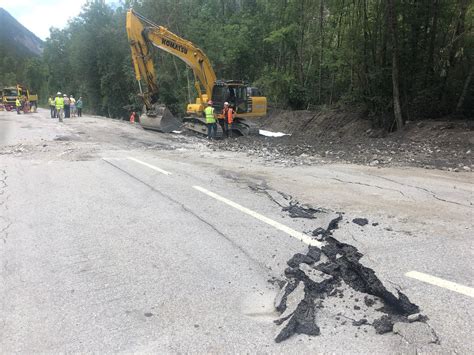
<point>143,35</point>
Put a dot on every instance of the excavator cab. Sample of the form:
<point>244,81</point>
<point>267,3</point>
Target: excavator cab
<point>235,93</point>
<point>240,96</point>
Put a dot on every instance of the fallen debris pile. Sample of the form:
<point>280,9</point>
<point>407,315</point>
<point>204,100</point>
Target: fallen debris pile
<point>330,282</point>
<point>348,137</point>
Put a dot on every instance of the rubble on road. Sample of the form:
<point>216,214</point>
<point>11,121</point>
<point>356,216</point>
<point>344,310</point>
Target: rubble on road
<point>330,283</point>
<point>360,221</point>
<point>295,210</point>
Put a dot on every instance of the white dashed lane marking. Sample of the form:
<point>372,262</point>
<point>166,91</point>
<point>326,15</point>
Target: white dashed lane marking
<point>295,234</point>
<point>150,166</point>
<point>436,281</point>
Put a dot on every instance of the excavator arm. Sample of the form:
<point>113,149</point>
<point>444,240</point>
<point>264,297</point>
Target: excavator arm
<point>142,60</point>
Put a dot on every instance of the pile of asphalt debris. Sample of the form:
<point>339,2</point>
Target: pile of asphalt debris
<point>330,282</point>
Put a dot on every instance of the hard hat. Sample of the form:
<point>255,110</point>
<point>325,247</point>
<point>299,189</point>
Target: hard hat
<point>59,93</point>
<point>64,95</point>
<point>226,103</point>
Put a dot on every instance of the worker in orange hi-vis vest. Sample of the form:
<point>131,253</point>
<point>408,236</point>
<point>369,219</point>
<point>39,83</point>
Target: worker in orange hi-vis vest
<point>228,114</point>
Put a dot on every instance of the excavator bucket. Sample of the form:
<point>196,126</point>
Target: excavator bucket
<point>160,119</point>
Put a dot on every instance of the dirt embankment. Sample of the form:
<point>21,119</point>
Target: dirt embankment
<point>344,136</point>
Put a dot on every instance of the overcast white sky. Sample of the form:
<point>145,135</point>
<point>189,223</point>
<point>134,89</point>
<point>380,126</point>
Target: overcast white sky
<point>39,15</point>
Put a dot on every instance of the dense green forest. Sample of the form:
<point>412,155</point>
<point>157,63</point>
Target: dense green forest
<point>401,59</point>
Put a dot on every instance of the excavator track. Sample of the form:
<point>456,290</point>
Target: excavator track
<point>197,124</point>
<point>241,126</point>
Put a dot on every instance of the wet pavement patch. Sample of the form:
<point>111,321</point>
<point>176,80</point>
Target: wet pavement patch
<point>329,285</point>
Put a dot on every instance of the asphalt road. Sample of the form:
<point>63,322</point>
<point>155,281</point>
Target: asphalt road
<point>112,239</point>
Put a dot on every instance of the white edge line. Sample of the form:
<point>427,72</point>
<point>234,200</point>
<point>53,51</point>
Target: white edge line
<point>436,281</point>
<point>149,166</point>
<point>295,234</point>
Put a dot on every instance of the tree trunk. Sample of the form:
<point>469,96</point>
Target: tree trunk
<point>392,20</point>
<point>464,90</point>
<point>321,33</point>
<point>455,43</point>
<point>433,30</point>
<point>367,90</point>
<point>301,53</point>
<point>415,30</point>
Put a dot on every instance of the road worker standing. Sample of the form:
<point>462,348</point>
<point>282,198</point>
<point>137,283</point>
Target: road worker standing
<point>221,119</point>
<point>132,117</point>
<point>227,119</point>
<point>52,107</point>
<point>210,120</point>
<point>59,103</point>
<point>72,103</point>
<point>66,106</point>
<point>18,105</point>
<point>79,107</point>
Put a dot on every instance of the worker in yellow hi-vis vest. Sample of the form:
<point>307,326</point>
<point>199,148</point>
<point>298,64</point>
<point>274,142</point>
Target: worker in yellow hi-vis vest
<point>210,121</point>
<point>18,105</point>
<point>59,103</point>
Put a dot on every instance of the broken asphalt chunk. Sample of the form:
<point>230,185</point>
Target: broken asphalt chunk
<point>383,325</point>
<point>360,221</point>
<point>292,300</point>
<point>299,258</point>
<point>317,280</point>
<point>302,321</point>
<point>297,211</point>
<point>319,232</point>
<point>314,253</point>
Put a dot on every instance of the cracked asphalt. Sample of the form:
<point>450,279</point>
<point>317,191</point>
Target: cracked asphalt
<point>100,253</point>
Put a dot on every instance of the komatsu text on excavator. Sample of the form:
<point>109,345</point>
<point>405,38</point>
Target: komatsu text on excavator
<point>247,101</point>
